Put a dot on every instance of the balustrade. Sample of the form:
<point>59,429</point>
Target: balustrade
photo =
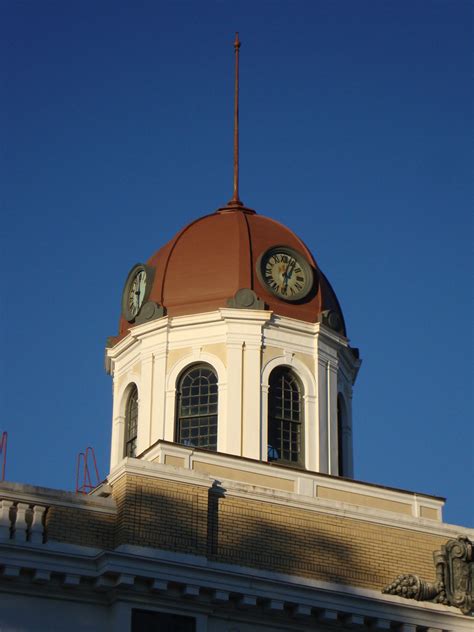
<point>21,522</point>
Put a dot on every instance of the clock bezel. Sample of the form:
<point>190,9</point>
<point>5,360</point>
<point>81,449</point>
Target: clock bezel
<point>136,269</point>
<point>303,263</point>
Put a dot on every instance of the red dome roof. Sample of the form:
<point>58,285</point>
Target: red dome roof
<point>212,258</point>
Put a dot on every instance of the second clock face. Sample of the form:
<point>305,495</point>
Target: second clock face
<point>136,292</point>
<point>137,287</point>
<point>285,272</point>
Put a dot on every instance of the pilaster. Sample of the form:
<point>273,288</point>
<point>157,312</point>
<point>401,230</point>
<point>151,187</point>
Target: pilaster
<point>118,430</point>
<point>145,399</point>
<point>323,411</point>
<point>333,464</point>
<point>251,400</point>
<point>159,393</point>
<point>230,428</point>
<point>311,421</point>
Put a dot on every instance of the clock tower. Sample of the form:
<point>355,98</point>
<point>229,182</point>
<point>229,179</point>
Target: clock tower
<point>232,341</point>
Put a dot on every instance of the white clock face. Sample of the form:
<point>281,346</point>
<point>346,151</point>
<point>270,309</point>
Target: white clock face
<point>285,273</point>
<point>136,293</point>
<point>136,290</point>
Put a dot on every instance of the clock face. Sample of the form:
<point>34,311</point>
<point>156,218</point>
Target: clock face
<point>136,290</point>
<point>285,273</point>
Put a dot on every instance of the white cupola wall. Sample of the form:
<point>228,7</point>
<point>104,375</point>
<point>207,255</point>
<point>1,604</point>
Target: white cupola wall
<point>246,381</point>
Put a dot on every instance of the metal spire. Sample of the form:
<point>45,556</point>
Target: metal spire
<point>235,201</point>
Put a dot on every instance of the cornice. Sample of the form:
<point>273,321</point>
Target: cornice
<point>135,334</point>
<point>250,316</point>
<point>204,318</point>
<point>312,336</point>
<point>293,324</point>
<point>139,574</point>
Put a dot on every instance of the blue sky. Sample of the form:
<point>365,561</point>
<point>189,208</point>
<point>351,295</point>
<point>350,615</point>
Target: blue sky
<point>356,130</point>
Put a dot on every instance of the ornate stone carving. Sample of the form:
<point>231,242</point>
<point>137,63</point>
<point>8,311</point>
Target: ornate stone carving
<point>454,585</point>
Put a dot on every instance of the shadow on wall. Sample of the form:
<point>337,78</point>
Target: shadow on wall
<point>161,514</point>
<point>274,537</point>
<point>79,526</point>
<point>248,532</point>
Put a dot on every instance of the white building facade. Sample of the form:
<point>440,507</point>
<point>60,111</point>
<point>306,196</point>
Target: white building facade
<point>243,347</point>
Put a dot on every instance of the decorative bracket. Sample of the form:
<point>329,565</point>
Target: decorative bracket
<point>245,299</point>
<point>149,311</point>
<point>331,319</point>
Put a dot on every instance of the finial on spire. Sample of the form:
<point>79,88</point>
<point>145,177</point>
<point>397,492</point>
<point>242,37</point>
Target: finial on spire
<point>235,204</point>
<point>235,201</point>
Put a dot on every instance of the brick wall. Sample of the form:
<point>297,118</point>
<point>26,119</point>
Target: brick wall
<point>80,526</point>
<point>188,518</point>
<point>320,546</point>
<point>161,514</point>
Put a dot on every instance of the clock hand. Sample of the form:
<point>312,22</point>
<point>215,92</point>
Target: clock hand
<point>289,271</point>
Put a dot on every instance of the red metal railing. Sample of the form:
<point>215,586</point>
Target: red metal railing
<point>3,454</point>
<point>85,485</point>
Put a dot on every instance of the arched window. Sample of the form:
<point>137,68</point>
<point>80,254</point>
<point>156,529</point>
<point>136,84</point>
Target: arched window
<point>131,423</point>
<point>285,417</point>
<point>196,422</point>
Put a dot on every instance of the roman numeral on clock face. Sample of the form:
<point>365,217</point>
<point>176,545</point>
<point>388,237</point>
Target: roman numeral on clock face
<point>285,273</point>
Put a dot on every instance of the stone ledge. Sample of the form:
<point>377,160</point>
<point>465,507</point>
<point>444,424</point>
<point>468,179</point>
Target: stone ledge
<point>34,495</point>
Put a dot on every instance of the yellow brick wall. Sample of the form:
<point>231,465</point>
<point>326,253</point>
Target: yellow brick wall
<point>180,517</point>
<point>320,546</point>
<point>161,514</point>
<point>188,518</point>
<point>80,526</point>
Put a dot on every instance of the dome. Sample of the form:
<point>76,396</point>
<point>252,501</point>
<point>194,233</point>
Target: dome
<point>206,264</point>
